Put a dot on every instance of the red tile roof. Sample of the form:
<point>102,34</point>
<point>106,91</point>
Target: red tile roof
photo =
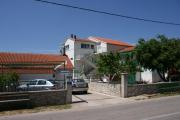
<point>128,49</point>
<point>113,42</point>
<point>39,63</point>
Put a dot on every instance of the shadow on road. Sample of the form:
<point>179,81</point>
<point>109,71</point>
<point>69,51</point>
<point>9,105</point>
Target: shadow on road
<point>79,100</point>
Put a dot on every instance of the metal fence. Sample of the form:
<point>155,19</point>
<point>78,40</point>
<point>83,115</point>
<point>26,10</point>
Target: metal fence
<point>8,88</point>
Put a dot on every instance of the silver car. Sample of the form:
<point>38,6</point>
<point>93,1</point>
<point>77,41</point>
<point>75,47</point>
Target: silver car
<point>36,84</point>
<point>79,85</point>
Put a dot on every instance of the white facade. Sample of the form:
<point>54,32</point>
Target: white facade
<point>104,46</point>
<point>100,46</point>
<point>76,49</point>
<point>150,76</point>
<point>81,52</point>
<point>70,51</point>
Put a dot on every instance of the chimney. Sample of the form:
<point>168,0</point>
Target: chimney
<point>75,37</point>
<point>64,51</point>
<point>72,35</point>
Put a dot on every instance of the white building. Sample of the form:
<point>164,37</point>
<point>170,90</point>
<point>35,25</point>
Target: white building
<point>77,49</point>
<point>81,51</point>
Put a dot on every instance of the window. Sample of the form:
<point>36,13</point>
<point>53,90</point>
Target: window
<point>67,47</point>
<point>92,46</point>
<point>85,46</point>
<point>33,82</point>
<point>41,82</point>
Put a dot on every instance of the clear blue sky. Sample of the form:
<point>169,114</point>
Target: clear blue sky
<point>30,26</point>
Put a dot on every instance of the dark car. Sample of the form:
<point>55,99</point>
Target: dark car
<point>80,85</point>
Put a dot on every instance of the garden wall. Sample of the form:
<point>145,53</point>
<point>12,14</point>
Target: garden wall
<point>114,89</point>
<point>139,89</point>
<point>43,98</point>
<point>18,100</point>
<point>51,97</point>
<point>106,88</point>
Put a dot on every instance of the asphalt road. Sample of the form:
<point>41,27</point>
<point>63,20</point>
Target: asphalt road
<point>156,109</point>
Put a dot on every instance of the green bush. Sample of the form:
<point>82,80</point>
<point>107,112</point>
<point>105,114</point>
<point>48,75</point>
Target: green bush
<point>8,79</point>
<point>169,87</point>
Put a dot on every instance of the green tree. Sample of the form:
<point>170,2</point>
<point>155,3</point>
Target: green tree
<point>161,54</point>
<point>112,64</point>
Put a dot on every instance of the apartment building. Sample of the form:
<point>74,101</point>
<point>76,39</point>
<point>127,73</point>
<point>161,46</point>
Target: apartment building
<point>78,50</point>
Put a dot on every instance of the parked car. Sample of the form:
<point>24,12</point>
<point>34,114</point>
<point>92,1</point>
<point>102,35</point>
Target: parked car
<point>79,85</point>
<point>36,84</point>
<point>58,84</point>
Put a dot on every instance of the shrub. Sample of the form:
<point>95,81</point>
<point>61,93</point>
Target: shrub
<point>9,80</point>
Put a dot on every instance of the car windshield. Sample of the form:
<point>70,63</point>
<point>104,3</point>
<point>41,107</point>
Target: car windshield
<point>33,82</point>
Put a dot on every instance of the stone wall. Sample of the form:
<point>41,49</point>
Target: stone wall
<point>51,97</point>
<point>134,89</point>
<point>42,98</point>
<point>139,89</point>
<point>28,99</point>
<point>106,88</point>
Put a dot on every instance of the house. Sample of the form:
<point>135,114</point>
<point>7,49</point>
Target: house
<point>81,51</point>
<point>32,66</point>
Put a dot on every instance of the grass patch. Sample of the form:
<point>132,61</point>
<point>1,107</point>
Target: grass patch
<point>36,110</point>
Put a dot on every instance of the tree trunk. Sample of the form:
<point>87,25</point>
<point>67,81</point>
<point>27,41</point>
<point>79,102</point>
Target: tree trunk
<point>162,76</point>
<point>113,77</point>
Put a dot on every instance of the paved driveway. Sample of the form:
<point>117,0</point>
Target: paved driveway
<point>96,99</point>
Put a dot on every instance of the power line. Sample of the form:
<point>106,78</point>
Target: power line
<point>108,13</point>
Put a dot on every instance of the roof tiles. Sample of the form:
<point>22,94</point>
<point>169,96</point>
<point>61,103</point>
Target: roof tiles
<point>113,42</point>
<point>35,60</point>
<point>128,49</point>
